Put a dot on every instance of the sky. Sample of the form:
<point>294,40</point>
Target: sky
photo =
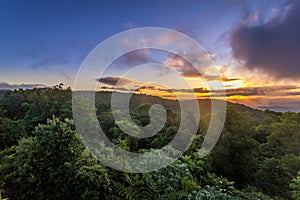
<point>254,45</point>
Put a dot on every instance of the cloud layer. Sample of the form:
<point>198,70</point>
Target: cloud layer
<point>7,86</point>
<point>284,90</point>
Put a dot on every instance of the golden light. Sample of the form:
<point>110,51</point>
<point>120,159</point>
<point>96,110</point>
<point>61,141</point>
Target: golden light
<point>234,84</point>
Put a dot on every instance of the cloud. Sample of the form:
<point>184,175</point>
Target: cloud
<point>260,91</point>
<point>226,79</point>
<point>182,62</point>
<point>284,90</point>
<point>152,87</point>
<point>185,68</point>
<point>246,91</point>
<point>270,46</point>
<point>112,81</point>
<point>7,86</point>
<point>107,87</point>
<point>135,58</point>
<point>222,78</point>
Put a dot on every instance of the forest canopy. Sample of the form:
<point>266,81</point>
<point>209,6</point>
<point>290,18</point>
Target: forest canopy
<point>42,155</point>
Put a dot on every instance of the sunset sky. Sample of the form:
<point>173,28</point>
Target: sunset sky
<point>254,45</point>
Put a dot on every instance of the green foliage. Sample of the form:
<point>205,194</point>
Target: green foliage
<point>32,168</point>
<point>36,106</point>
<point>235,155</point>
<point>135,187</point>
<point>91,179</point>
<point>41,156</point>
<point>273,178</point>
<point>173,196</point>
<point>221,184</point>
<point>10,132</point>
<point>285,135</point>
<point>170,178</point>
<point>209,193</point>
<point>295,186</point>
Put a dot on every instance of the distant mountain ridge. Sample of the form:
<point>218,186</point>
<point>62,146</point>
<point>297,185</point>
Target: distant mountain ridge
<point>103,98</point>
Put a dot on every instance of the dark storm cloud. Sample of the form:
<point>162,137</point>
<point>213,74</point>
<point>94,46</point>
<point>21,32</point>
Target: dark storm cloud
<point>272,46</point>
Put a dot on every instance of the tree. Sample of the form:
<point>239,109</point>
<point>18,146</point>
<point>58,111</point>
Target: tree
<point>39,167</point>
<point>295,186</point>
<point>285,135</point>
<point>273,178</point>
<point>10,132</point>
<point>91,179</point>
<point>235,155</point>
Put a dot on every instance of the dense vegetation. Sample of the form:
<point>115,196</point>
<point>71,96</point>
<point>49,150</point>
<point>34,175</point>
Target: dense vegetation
<point>42,157</point>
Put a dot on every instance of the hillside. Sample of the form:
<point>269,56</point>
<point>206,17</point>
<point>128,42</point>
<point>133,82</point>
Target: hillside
<point>103,98</point>
<point>2,93</point>
<point>41,152</point>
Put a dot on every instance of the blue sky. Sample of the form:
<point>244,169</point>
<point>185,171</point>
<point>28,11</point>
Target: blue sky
<point>44,42</point>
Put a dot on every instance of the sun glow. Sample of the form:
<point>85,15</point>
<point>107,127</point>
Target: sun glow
<point>234,84</point>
